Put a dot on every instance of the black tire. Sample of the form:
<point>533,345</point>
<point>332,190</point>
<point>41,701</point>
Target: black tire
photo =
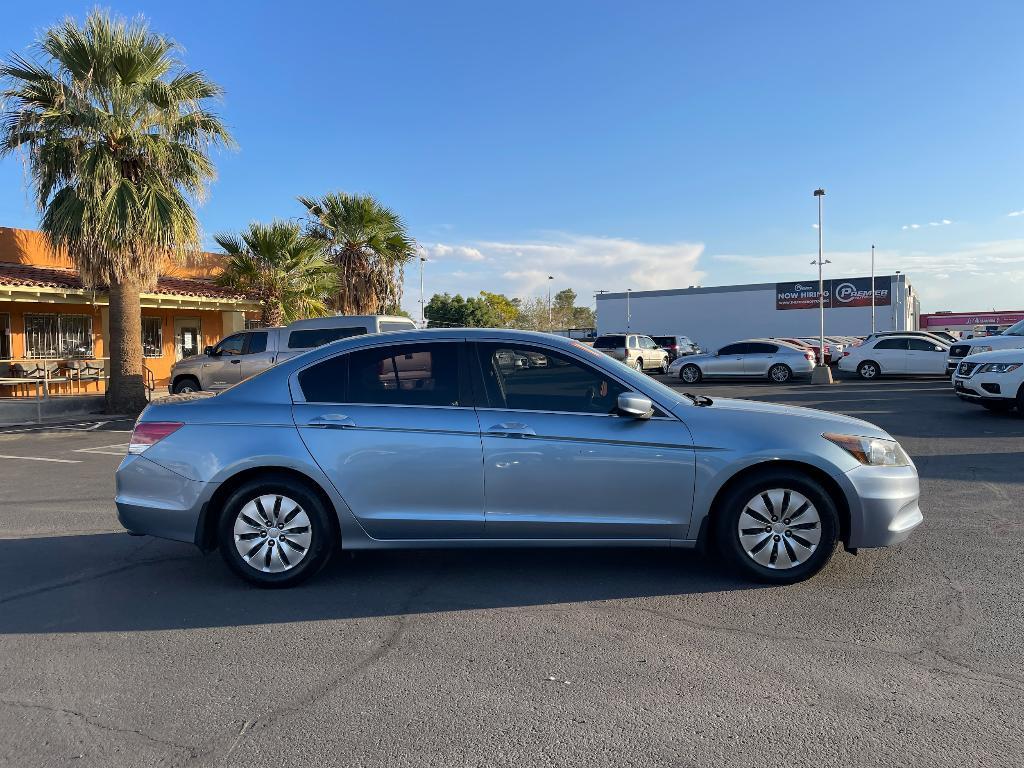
<point>322,537</point>
<point>663,368</point>
<point>1020,401</point>
<point>638,364</point>
<point>694,371</point>
<point>734,504</point>
<point>186,384</point>
<point>780,373</point>
<point>869,370</point>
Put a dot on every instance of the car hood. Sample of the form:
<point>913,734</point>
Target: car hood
<point>187,363</point>
<point>996,342</point>
<point>1003,355</point>
<point>772,415</point>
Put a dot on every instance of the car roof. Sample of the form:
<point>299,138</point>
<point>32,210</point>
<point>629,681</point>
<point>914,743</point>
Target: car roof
<point>345,321</point>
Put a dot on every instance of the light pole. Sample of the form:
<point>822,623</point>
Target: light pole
<point>629,315</point>
<point>822,373</point>
<point>872,287</point>
<point>550,327</point>
<point>422,308</point>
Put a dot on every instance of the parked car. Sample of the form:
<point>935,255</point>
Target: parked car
<point>833,349</point>
<point>241,355</point>
<point>1011,338</point>
<point>901,355</point>
<point>676,346</point>
<point>754,358</point>
<point>994,380</point>
<point>635,350</point>
<point>344,448</point>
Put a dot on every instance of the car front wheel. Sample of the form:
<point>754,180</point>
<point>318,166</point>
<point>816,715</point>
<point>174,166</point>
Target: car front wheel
<point>274,532</point>
<point>185,385</point>
<point>780,373</point>
<point>778,527</point>
<point>690,373</point>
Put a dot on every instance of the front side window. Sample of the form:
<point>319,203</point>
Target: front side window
<point>232,345</point>
<point>152,337</point>
<point>732,349</point>
<point>923,345</point>
<point>1017,329</point>
<point>550,381</point>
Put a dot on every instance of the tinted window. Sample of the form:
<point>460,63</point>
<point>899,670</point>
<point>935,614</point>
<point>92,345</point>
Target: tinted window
<point>397,325</point>
<point>308,338</point>
<point>923,345</point>
<point>408,374</point>
<point>609,342</point>
<point>257,343</point>
<point>891,344</point>
<point>761,349</point>
<point>232,345</point>
<point>549,382</point>
<point>664,341</point>
<point>325,382</point>
<point>647,343</point>
<point>733,349</point>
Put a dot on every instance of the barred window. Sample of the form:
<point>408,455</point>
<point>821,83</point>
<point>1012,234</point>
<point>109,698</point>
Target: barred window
<point>5,336</point>
<point>58,336</point>
<point>152,337</point>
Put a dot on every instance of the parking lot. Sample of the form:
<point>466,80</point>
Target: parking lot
<point>122,651</point>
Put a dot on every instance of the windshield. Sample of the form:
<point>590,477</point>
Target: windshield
<point>1017,329</point>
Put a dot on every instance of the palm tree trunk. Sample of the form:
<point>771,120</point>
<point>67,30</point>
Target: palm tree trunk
<point>126,390</point>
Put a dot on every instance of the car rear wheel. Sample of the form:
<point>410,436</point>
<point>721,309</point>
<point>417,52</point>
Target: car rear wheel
<point>274,532</point>
<point>779,527</point>
<point>663,368</point>
<point>780,373</point>
<point>869,370</point>
<point>185,385</point>
<point>638,364</point>
<point>690,373</point>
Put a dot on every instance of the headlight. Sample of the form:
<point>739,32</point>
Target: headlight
<point>976,350</point>
<point>873,451</point>
<point>999,367</point>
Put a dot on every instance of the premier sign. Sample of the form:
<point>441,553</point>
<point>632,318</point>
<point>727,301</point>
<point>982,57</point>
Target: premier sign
<point>851,292</point>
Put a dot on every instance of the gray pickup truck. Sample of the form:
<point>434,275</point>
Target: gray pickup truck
<point>241,355</point>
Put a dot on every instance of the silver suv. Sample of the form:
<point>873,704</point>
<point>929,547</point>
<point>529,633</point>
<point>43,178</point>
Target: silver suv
<point>241,355</point>
<point>635,350</point>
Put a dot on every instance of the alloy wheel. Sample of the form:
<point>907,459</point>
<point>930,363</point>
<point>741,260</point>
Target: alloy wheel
<point>272,533</point>
<point>779,529</point>
<point>690,374</point>
<point>780,374</point>
<point>868,370</point>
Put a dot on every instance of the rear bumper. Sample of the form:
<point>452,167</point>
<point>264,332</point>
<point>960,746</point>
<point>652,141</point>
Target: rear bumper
<point>887,500</point>
<point>155,501</point>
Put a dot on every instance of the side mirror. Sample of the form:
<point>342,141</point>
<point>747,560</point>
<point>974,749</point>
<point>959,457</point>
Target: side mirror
<point>208,351</point>
<point>939,349</point>
<point>635,406</point>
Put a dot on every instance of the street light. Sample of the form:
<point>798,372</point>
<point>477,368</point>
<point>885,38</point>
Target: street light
<point>872,287</point>
<point>423,260</point>
<point>822,373</point>
<point>550,326</point>
<point>629,315</point>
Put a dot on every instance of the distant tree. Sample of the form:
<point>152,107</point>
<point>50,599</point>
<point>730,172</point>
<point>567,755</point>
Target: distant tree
<point>532,314</point>
<point>505,309</point>
<point>282,269</point>
<point>447,311</point>
<point>368,244</point>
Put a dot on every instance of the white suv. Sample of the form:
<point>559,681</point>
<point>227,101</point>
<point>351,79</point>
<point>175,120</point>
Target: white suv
<point>994,379</point>
<point>1011,338</point>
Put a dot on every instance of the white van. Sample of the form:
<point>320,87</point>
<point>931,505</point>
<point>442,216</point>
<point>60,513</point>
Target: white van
<point>244,354</point>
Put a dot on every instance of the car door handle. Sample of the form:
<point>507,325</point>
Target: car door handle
<point>235,362</point>
<point>331,421</point>
<point>512,429</point>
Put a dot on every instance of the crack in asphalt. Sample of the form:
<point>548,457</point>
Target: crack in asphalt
<point>95,722</point>
<point>207,755</point>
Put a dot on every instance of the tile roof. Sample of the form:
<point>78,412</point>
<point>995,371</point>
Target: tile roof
<point>24,275</point>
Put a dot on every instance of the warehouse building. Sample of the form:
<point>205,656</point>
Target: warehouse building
<point>715,316</point>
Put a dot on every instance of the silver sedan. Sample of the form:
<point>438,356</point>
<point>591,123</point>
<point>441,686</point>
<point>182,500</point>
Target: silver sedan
<point>429,438</point>
<point>769,359</point>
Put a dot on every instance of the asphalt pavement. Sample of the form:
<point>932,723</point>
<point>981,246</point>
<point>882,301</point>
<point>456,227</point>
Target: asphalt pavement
<point>124,651</point>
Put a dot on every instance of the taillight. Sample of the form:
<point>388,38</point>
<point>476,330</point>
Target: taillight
<point>846,354</point>
<point>149,433</point>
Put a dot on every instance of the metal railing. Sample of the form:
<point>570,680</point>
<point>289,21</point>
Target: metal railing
<point>19,374</point>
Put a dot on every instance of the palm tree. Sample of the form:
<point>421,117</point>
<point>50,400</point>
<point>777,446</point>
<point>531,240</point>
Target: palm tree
<point>368,244</point>
<point>116,137</point>
<point>282,269</point>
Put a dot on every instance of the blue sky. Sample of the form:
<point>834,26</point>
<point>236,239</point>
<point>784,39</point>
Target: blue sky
<point>616,145</point>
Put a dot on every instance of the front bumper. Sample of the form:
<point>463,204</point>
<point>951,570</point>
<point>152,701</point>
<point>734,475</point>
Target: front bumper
<point>884,508</point>
<point>153,500</point>
<point>983,388</point>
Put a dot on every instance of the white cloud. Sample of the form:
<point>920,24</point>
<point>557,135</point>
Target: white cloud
<point>443,252</point>
<point>940,223</point>
<point>1016,213</point>
<point>814,226</point>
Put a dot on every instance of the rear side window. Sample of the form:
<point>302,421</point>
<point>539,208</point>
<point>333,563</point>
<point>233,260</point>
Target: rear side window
<point>325,382</point>
<point>664,341</point>
<point>257,342</point>
<point>408,374</point>
<point>308,338</point>
<point>609,342</point>
<point>891,344</point>
<point>761,349</point>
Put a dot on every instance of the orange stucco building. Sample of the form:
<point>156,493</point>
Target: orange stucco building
<point>46,314</point>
